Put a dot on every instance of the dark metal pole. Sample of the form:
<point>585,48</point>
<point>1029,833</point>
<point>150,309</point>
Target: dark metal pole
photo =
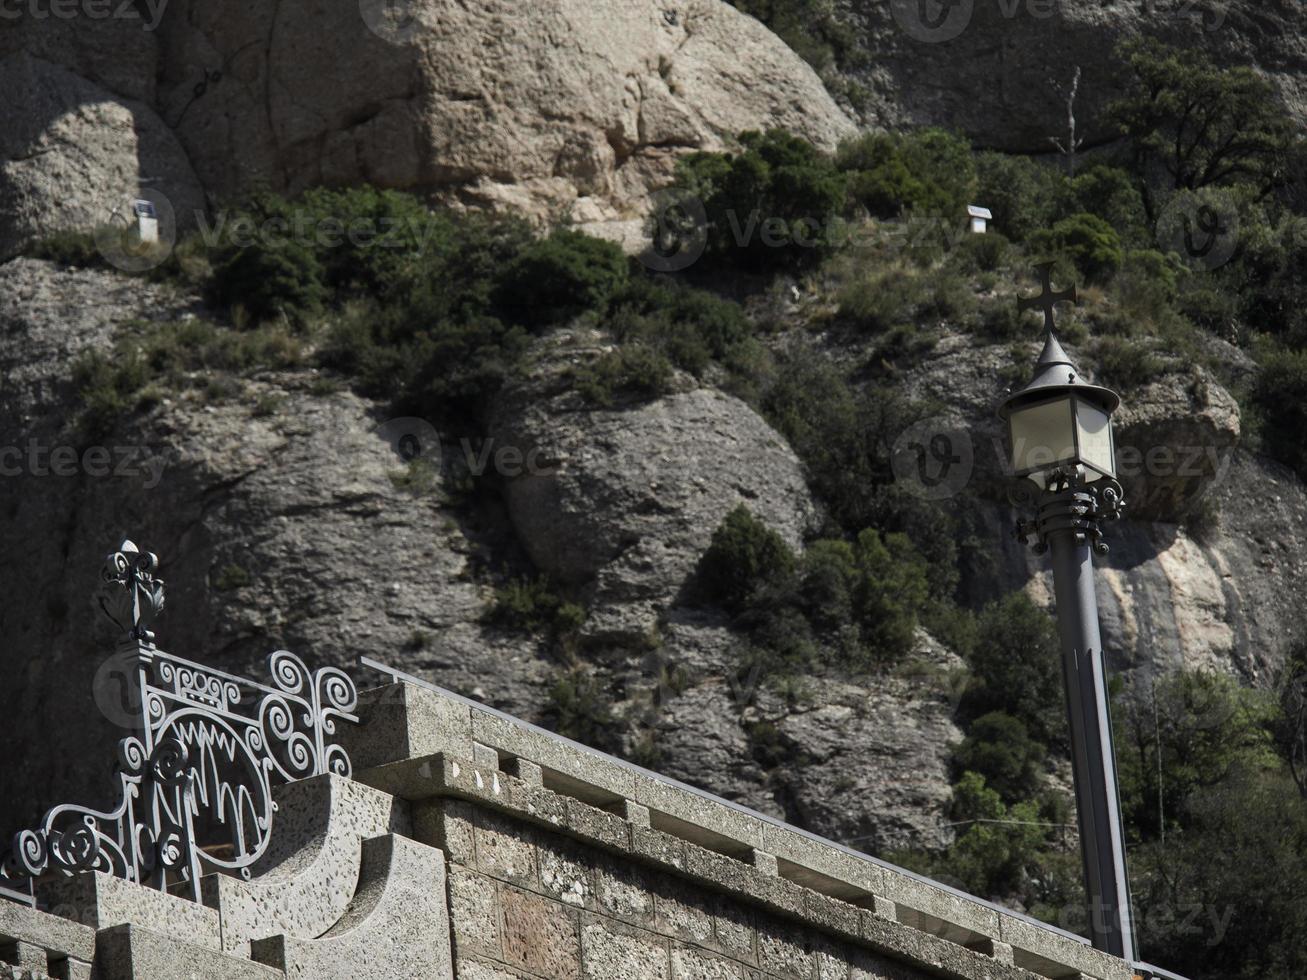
<point>1068,525</point>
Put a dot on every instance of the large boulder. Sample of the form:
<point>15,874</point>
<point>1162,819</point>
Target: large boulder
<point>549,107</point>
<point>1175,438</point>
<point>75,156</point>
<point>625,500</point>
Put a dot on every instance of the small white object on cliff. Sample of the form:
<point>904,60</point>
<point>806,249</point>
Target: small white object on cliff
<point>980,218</point>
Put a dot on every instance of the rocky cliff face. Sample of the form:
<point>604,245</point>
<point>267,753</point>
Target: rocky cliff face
<point>284,519</point>
<point>987,68</point>
<point>282,508</point>
<point>482,105</point>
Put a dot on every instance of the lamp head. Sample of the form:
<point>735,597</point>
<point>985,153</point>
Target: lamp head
<point>1060,423</point>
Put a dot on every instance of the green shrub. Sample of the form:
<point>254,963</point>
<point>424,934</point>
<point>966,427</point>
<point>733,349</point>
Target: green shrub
<point>812,30</point>
<point>559,277</point>
<point>1002,320</point>
<point>267,281</point>
<point>1087,241</point>
<point>231,577</point>
<point>770,205</point>
<point>981,253</point>
<point>73,248</point>
<point>928,171</point>
<point>108,388</point>
<point>892,588</point>
<point>744,555</point>
<point>692,327</point>
<point>1024,195</point>
<point>579,707</point>
<point>178,354</point>
<point>1279,397</point>
<point>1016,668</point>
<point>534,605</point>
<point>1000,748</point>
<point>1126,364</point>
<point>901,295</point>
<point>634,370</point>
<point>1113,194</point>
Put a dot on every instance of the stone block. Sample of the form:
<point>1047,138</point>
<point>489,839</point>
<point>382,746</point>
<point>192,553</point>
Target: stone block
<point>474,913</point>
<point>657,846</point>
<point>130,952</point>
<point>1043,950</point>
<point>612,951</point>
<point>933,909</point>
<point>802,852</point>
<point>525,770</point>
<point>683,912</point>
<point>693,964</point>
<point>102,901</point>
<point>398,722</point>
<point>484,755</point>
<point>698,818</point>
<point>506,851</point>
<point>734,929</point>
<point>53,931</point>
<point>786,951</point>
<point>765,863</point>
<point>448,825</point>
<point>25,956</point>
<point>396,926</point>
<point>623,892</point>
<point>600,826</point>
<point>305,880</point>
<point>69,968</point>
<point>636,815</point>
<point>589,768</point>
<point>565,872</point>
<point>477,970</point>
<point>540,936</point>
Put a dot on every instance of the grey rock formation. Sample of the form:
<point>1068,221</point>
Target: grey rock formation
<point>72,155</point>
<point>485,103</point>
<point>986,69</point>
<point>628,498</point>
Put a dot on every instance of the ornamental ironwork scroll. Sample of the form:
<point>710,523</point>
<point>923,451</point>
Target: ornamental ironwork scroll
<point>198,770</point>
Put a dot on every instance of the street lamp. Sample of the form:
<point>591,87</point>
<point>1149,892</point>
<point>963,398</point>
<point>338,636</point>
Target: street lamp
<point>1060,432</point>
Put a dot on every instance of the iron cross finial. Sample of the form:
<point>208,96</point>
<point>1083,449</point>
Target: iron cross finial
<point>1047,299</point>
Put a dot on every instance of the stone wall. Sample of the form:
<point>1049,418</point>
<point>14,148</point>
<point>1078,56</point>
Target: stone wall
<point>471,845</point>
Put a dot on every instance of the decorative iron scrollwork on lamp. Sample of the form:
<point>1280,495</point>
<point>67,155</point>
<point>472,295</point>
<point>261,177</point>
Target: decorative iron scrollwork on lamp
<point>197,773</point>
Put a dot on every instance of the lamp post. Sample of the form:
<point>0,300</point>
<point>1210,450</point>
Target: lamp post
<point>1060,435</point>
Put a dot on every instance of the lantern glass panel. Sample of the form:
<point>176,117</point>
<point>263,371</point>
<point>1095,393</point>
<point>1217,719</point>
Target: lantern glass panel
<point>1043,436</point>
<point>1095,438</point>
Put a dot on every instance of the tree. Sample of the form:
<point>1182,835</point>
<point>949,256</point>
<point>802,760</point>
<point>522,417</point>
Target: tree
<point>1071,145</point>
<point>1200,124</point>
<point>1016,667</point>
<point>1291,726</point>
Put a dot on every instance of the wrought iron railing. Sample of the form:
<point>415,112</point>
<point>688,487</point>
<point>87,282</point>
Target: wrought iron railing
<point>197,772</point>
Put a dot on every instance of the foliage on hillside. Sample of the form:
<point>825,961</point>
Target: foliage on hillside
<point>437,310</point>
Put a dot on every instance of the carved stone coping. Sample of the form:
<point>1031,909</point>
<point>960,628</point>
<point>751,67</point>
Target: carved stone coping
<point>418,741</point>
